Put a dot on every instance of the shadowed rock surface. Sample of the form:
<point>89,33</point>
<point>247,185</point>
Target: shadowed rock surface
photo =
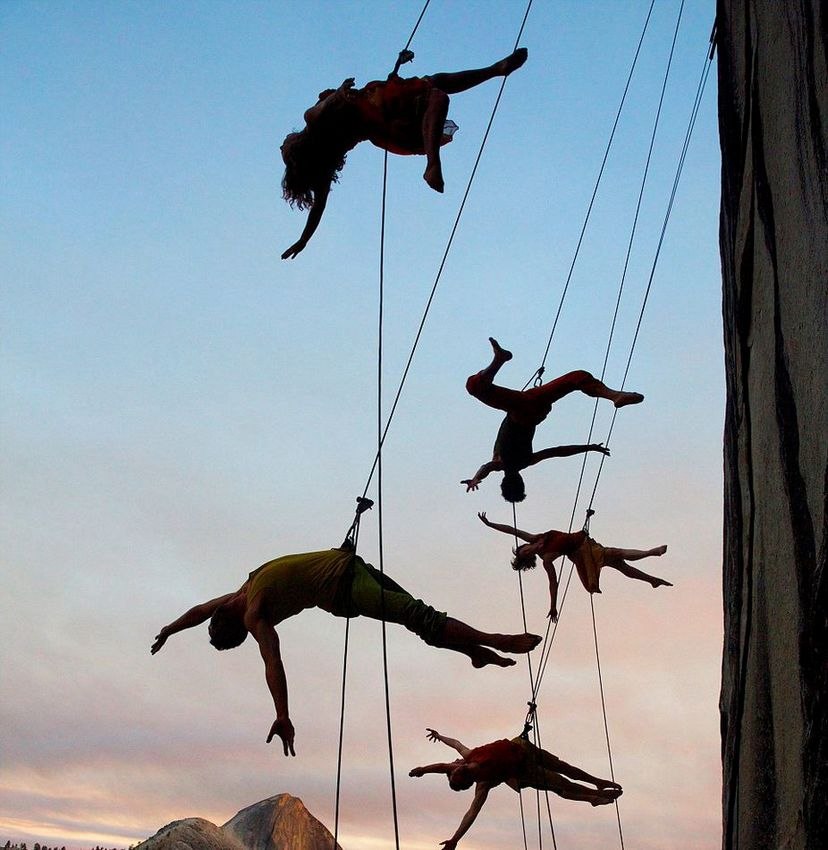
<point>773,124</point>
<point>278,823</point>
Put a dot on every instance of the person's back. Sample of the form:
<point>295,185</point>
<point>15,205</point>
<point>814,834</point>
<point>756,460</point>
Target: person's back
<point>496,762</point>
<point>513,444</point>
<point>294,582</point>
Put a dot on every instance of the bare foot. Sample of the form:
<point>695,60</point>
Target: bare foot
<point>659,550</point>
<point>502,355</point>
<point>660,582</point>
<point>517,644</point>
<point>623,399</point>
<point>608,796</point>
<point>480,657</point>
<point>433,175</point>
<point>512,62</point>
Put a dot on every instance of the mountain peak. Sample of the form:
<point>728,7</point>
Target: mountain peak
<point>280,822</point>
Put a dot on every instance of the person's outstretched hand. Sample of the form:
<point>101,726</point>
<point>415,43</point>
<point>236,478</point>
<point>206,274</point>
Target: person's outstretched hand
<point>294,249</point>
<point>433,735</point>
<point>160,640</point>
<point>284,729</point>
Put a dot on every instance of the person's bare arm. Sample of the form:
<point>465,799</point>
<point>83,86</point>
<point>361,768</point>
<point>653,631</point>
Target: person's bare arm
<point>268,641</point>
<point>474,483</point>
<point>549,566</point>
<point>438,767</point>
<point>566,451</point>
<point>320,199</point>
<point>481,792</point>
<point>508,529</point>
<point>328,100</point>
<point>194,617</point>
<point>434,735</point>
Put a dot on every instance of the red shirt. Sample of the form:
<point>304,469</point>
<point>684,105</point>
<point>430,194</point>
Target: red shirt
<point>559,543</point>
<point>498,761</point>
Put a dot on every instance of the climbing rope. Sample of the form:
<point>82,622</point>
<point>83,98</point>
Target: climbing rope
<point>547,643</point>
<point>351,541</point>
<point>538,374</point>
<point>382,431</point>
<point>442,264</point>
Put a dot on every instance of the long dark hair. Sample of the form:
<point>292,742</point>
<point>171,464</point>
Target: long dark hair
<point>522,560</point>
<point>308,165</point>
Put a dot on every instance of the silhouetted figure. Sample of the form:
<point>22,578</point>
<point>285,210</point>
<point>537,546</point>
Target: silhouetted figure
<point>525,410</point>
<point>588,556</point>
<point>340,582</point>
<point>402,116</point>
<point>519,764</point>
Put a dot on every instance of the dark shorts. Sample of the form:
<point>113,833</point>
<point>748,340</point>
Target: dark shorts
<point>366,592</point>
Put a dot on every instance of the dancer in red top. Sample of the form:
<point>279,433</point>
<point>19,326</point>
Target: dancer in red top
<point>525,410</point>
<point>402,116</point>
<point>519,764</point>
<point>588,556</point>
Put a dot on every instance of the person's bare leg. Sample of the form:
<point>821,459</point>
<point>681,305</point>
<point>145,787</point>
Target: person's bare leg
<point>581,775</point>
<point>551,781</point>
<point>481,656</point>
<point>613,552</point>
<point>433,121</point>
<point>615,558</point>
<point>452,83</point>
<point>500,356</point>
<point>582,381</point>
<point>460,636</point>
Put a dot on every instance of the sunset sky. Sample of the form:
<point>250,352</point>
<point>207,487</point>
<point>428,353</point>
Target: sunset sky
<point>180,405</point>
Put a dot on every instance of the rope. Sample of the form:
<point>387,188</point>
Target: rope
<point>682,157</point>
<point>604,712</point>
<point>351,539</point>
<point>546,648</point>
<point>540,370</point>
<point>363,504</point>
<point>708,63</point>
<point>417,25</point>
<point>379,507</point>
<point>442,264</point>
<point>341,733</point>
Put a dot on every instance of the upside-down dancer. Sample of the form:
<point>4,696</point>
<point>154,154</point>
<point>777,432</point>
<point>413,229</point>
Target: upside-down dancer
<point>588,556</point>
<point>399,115</point>
<point>340,582</point>
<point>525,410</point>
<point>519,764</point>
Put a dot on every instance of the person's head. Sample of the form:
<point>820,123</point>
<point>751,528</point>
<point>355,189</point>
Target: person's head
<point>227,629</point>
<point>461,777</point>
<point>512,486</point>
<point>525,557</point>
<point>307,165</point>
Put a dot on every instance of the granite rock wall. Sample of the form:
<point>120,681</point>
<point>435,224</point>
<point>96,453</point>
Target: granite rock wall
<point>773,122</point>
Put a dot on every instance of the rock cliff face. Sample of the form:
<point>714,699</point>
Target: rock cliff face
<point>773,121</point>
<point>278,823</point>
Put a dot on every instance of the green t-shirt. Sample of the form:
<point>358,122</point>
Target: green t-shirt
<point>300,581</point>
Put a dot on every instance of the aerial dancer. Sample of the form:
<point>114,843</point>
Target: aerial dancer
<point>519,764</point>
<point>588,556</point>
<point>525,410</point>
<point>340,582</point>
<point>399,115</point>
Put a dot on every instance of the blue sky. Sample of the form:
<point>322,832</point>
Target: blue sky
<point>180,405</point>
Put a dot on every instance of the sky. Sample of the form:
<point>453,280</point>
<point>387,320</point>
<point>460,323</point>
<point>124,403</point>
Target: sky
<point>180,405</point>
